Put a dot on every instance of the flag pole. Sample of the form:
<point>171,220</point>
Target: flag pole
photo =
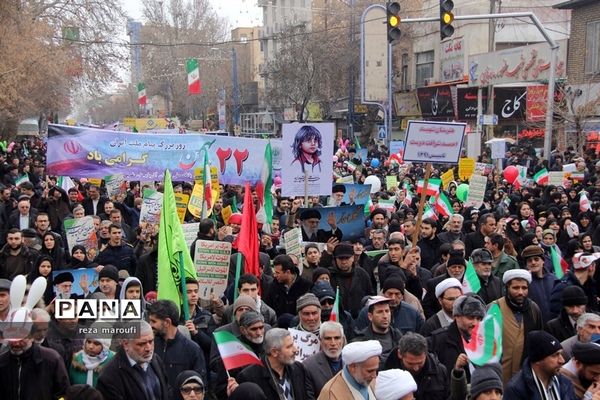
<point>415,236</point>
<point>186,307</point>
<point>305,189</point>
<point>238,269</point>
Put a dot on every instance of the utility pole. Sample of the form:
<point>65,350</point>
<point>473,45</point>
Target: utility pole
<point>491,48</point>
<point>236,93</point>
<point>351,73</point>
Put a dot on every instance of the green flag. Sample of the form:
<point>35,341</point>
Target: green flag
<point>174,260</point>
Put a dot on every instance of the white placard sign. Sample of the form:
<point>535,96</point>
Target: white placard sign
<point>190,232</point>
<point>211,260</point>
<point>498,149</point>
<point>435,142</point>
<point>556,178</point>
<point>306,342</point>
<point>477,185</point>
<point>293,244</point>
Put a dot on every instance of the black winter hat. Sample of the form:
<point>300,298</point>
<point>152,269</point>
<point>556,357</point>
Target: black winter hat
<point>574,296</point>
<point>109,271</point>
<point>485,378</point>
<point>541,344</point>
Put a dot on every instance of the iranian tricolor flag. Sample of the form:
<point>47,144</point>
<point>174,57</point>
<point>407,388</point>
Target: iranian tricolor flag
<point>485,345</point>
<point>142,99</point>
<point>65,183</point>
<point>233,352</point>
<point>408,195</point>
<point>443,205</point>
<point>433,186</point>
<point>335,311</point>
<point>368,206</point>
<point>389,205</point>
<point>559,265</point>
<point>207,188</point>
<point>22,179</point>
<point>429,212</point>
<point>541,177</point>
<point>193,74</point>
<point>518,183</point>
<point>584,202</point>
<point>471,283</point>
<point>263,190</point>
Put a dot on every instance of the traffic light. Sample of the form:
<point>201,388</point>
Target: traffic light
<point>393,21</point>
<point>446,18</point>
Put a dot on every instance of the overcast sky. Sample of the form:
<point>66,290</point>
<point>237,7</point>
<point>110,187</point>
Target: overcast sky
<point>237,12</point>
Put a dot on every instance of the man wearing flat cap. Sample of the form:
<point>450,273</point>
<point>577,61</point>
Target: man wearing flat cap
<point>353,382</point>
<point>583,369</point>
<point>447,342</point>
<point>539,378</point>
<point>310,219</point>
<point>542,283</point>
<point>520,315</point>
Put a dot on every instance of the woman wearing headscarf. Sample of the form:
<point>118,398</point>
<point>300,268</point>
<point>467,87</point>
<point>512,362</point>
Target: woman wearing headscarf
<point>79,258</point>
<point>189,386</point>
<point>52,247</point>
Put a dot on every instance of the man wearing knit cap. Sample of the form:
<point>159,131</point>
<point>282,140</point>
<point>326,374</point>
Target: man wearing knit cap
<point>447,342</point>
<point>405,317</point>
<point>486,383</point>
<point>542,283</point>
<point>539,377</point>
<point>574,302</point>
<point>582,275</point>
<point>583,370</point>
<point>308,308</point>
<point>353,382</point>
<point>520,315</point>
<point>446,292</point>
<point>395,384</point>
<point>379,327</point>
<point>108,280</point>
<point>455,268</point>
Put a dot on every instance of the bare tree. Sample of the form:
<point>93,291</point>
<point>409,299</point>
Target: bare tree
<point>175,31</point>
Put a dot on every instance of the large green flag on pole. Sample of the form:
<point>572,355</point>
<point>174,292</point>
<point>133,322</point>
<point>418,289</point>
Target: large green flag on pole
<point>174,260</point>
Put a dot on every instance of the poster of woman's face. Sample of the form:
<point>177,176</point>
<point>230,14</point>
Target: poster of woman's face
<point>310,156</point>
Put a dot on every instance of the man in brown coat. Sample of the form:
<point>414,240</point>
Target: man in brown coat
<point>361,361</point>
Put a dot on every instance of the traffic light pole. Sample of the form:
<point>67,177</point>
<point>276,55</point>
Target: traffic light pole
<point>554,52</point>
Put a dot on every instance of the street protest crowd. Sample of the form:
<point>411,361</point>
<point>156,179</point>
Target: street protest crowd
<point>497,296</point>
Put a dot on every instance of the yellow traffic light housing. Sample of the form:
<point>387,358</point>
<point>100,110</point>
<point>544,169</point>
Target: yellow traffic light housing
<point>393,21</point>
<point>446,18</point>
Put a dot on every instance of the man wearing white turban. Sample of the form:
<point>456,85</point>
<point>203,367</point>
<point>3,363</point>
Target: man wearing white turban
<point>395,384</point>
<point>361,361</point>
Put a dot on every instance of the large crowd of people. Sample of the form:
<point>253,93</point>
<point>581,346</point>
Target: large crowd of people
<point>397,328</point>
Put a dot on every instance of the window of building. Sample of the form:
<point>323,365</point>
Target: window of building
<point>243,39</point>
<point>404,76</point>
<point>592,48</point>
<point>424,68</point>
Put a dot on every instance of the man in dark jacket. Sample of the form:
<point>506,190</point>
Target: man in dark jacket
<point>353,282</point>
<point>447,342</point>
<point>380,327</point>
<point>430,375</point>
<point>280,376</point>
<point>540,372</point>
<point>135,373</point>
<point>491,286</point>
<point>574,301</point>
<point>177,352</point>
<point>287,287</point>
<point>15,257</point>
<point>117,252</point>
<point>582,275</point>
<point>322,366</point>
<point>429,244</point>
<point>476,240</point>
<point>30,371</point>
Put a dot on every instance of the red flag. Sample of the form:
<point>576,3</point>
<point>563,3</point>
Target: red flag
<point>247,240</point>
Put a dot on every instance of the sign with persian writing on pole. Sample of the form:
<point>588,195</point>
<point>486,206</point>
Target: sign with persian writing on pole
<point>81,231</point>
<point>375,56</point>
<point>452,60</point>
<point>306,342</point>
<point>517,64</point>
<point>436,102</point>
<point>211,260</point>
<point>435,142</point>
<point>406,104</point>
<point>151,206</point>
<point>536,100</point>
<point>309,150</point>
